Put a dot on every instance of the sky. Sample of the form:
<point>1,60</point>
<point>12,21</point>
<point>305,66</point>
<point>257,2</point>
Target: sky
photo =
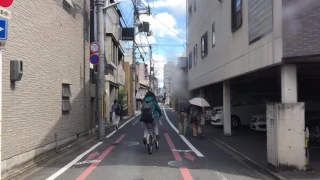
<point>168,25</point>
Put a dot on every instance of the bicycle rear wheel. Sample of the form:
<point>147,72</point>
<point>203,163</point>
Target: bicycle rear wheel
<point>157,144</point>
<point>150,145</point>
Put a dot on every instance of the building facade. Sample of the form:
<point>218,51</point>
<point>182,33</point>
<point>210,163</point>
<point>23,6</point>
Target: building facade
<point>50,106</point>
<point>115,58</point>
<point>239,45</point>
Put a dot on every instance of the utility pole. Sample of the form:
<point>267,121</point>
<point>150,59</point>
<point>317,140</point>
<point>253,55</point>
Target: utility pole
<point>150,77</point>
<point>101,83</point>
<point>100,87</point>
<point>134,59</point>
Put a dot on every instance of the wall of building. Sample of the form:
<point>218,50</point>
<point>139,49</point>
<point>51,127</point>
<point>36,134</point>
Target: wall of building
<point>53,44</point>
<point>301,35</point>
<point>128,86</point>
<point>232,55</point>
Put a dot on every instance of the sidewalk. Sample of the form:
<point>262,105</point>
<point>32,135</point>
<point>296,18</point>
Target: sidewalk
<point>252,145</point>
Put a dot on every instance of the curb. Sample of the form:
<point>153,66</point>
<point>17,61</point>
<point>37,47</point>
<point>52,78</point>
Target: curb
<point>276,175</point>
<point>69,147</point>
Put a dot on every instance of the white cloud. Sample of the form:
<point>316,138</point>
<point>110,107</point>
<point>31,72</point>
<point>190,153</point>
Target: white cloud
<point>159,62</point>
<point>176,6</point>
<point>162,25</point>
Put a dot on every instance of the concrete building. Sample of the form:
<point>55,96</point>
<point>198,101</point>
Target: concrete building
<point>129,80</point>
<point>115,57</point>
<point>167,72</point>
<point>143,83</point>
<point>50,106</point>
<point>241,46</point>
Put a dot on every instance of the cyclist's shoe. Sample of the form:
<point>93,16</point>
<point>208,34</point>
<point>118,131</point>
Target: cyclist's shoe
<point>144,141</point>
<point>157,136</point>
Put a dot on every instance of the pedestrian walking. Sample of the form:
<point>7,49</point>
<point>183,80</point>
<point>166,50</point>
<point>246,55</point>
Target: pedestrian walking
<point>195,118</point>
<point>116,113</point>
<point>183,111</point>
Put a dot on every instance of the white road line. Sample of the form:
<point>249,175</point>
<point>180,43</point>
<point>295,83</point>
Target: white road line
<point>198,153</point>
<point>181,150</point>
<point>221,175</point>
<point>66,167</point>
<point>113,132</point>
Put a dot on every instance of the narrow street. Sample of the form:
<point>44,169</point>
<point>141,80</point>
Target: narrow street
<point>122,156</point>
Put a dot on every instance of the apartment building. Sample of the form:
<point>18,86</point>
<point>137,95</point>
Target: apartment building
<point>250,46</point>
<point>114,56</point>
<point>49,107</point>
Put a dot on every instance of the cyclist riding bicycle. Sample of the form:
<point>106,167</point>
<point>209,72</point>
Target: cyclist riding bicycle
<point>150,113</point>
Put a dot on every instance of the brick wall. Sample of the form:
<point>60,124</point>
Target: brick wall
<point>301,28</point>
<point>50,42</point>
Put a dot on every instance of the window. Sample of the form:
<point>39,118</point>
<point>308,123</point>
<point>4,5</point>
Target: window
<point>213,35</point>
<point>204,45</point>
<point>194,5</point>
<point>195,54</point>
<point>236,16</point>
<point>190,60</point>
<point>189,14</point>
<point>66,94</point>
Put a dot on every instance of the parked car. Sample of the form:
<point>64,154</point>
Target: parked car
<point>242,109</point>
<point>258,122</point>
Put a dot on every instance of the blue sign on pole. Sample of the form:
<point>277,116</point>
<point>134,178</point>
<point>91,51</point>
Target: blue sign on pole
<point>94,59</point>
<point>3,29</point>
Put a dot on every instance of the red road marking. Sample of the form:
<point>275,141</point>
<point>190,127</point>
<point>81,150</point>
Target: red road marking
<point>92,156</point>
<point>161,122</point>
<point>189,156</point>
<point>89,170</point>
<point>184,171</point>
<point>134,123</point>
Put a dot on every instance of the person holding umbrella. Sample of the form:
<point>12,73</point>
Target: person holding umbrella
<point>196,114</point>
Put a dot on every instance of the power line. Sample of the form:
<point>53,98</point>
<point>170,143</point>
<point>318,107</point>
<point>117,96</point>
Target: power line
<point>168,28</point>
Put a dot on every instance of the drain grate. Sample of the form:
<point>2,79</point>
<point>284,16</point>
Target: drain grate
<point>126,144</point>
<point>186,164</point>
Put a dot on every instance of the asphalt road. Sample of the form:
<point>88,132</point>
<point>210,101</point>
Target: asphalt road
<point>122,156</point>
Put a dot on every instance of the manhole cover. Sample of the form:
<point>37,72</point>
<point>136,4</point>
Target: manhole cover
<point>126,144</point>
<point>187,164</point>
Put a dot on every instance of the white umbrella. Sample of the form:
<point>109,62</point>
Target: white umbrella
<point>199,102</point>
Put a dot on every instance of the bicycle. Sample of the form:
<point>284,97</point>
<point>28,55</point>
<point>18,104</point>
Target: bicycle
<point>151,138</point>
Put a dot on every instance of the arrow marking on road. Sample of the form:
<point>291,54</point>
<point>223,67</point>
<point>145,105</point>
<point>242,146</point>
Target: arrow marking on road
<point>189,156</point>
<point>92,156</point>
<point>87,162</point>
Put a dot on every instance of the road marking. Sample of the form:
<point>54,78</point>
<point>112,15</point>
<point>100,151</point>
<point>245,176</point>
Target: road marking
<point>113,132</point>
<point>181,150</point>
<point>198,153</point>
<point>134,123</point>
<point>66,167</point>
<point>87,162</point>
<point>92,156</point>
<point>184,171</point>
<point>189,156</point>
<point>89,170</point>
